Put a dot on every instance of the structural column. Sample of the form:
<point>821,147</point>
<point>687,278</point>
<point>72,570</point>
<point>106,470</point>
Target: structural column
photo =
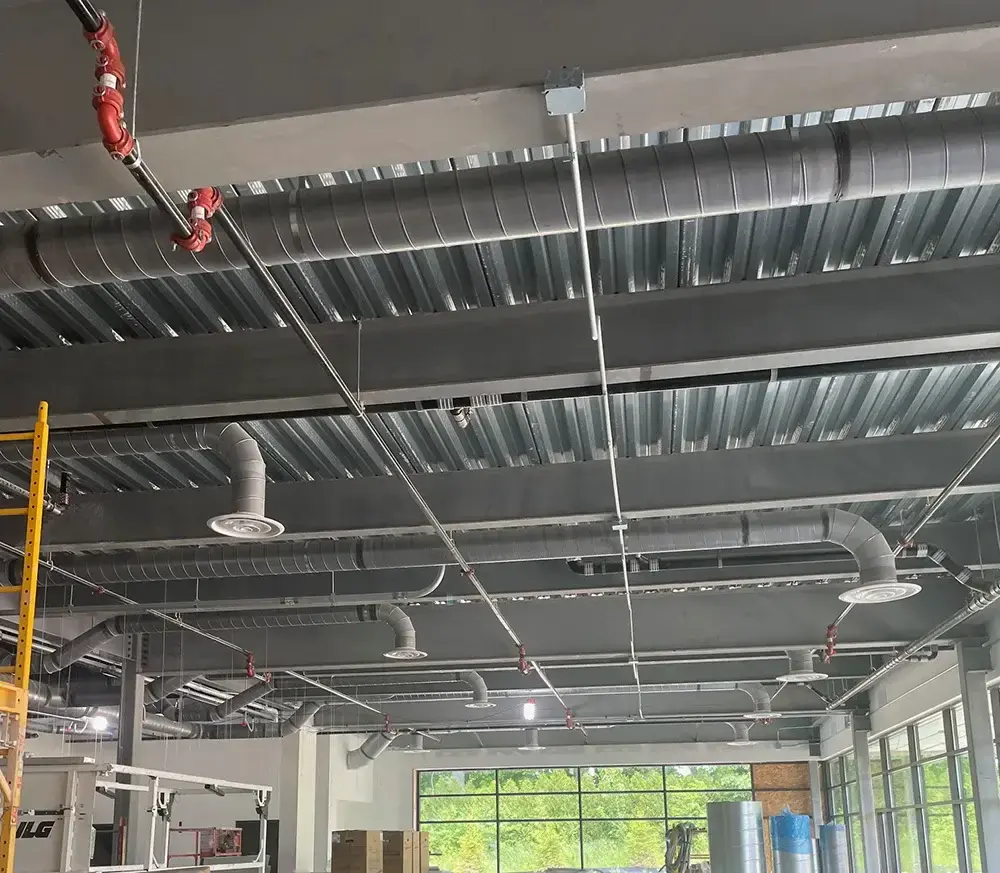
<point>323,822</point>
<point>297,803</point>
<point>128,804</point>
<point>973,665</point>
<point>860,731</point>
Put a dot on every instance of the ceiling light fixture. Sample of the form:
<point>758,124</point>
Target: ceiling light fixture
<point>529,709</point>
<point>98,722</point>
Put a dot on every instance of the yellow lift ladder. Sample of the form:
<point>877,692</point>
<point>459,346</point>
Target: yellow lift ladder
<point>14,695</point>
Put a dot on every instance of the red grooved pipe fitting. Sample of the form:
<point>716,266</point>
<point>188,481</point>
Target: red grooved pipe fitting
<point>203,203</point>
<point>108,99</point>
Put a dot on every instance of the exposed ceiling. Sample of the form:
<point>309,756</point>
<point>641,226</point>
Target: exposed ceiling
<point>878,433</point>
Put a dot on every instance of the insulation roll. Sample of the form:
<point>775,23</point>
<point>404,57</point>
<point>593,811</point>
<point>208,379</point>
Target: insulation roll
<point>833,857</point>
<point>736,837</point>
<point>791,843</point>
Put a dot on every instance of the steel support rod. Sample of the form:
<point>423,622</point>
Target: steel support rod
<point>597,334</point>
<point>305,334</point>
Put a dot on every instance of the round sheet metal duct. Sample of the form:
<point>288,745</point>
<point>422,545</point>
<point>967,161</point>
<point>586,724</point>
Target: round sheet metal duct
<point>792,167</point>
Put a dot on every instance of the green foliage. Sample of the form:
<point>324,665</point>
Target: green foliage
<point>543,814</point>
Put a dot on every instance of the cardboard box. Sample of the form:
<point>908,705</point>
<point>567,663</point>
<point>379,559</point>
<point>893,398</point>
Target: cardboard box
<point>423,852</point>
<point>400,852</point>
<point>357,852</point>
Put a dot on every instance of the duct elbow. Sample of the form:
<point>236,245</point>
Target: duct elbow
<point>405,648</point>
<point>247,520</point>
<point>876,562</point>
<point>480,693</point>
<point>761,701</point>
<point>369,750</point>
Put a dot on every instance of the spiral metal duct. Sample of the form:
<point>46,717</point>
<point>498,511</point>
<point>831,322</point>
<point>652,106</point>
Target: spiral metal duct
<point>480,693</point>
<point>404,645</point>
<point>300,718</point>
<point>822,164</point>
<point>246,519</point>
<point>863,540</point>
<point>369,750</point>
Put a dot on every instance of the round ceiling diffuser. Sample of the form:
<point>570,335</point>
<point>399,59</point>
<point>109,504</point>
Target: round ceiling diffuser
<point>800,668</point>
<point>880,592</point>
<point>246,526</point>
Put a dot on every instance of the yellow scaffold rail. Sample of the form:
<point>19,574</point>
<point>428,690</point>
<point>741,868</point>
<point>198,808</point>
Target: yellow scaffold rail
<point>14,695</point>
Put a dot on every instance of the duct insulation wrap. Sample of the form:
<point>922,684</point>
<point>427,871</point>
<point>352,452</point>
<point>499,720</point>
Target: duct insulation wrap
<point>833,856</point>
<point>736,837</point>
<point>369,750</point>
<point>822,163</point>
<point>863,540</point>
<point>791,843</point>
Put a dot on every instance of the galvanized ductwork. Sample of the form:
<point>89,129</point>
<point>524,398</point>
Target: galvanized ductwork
<point>228,708</point>
<point>480,693</point>
<point>822,164</point>
<point>876,564</point>
<point>162,687</point>
<point>404,647</point>
<point>246,519</point>
<point>369,750</point>
<point>299,719</point>
<point>761,701</point>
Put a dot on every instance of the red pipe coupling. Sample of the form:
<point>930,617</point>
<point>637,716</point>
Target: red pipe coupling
<point>203,203</point>
<point>831,644</point>
<point>109,101</point>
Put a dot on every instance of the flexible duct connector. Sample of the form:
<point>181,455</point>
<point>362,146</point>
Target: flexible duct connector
<point>369,750</point>
<point>405,635</point>
<point>300,719</point>
<point>777,169</point>
<point>245,520</point>
<point>800,661</point>
<point>863,540</point>
<point>480,693</point>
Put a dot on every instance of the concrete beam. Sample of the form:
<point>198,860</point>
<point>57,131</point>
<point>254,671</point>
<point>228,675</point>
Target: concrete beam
<point>322,87</point>
<point>765,329</point>
<point>693,624</point>
<point>694,483</point>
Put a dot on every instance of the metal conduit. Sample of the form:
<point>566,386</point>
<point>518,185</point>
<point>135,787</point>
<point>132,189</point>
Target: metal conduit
<point>976,604</point>
<point>246,519</point>
<point>90,640</point>
<point>837,526</point>
<point>821,164</point>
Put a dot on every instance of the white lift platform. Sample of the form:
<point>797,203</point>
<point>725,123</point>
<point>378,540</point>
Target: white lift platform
<point>55,830</point>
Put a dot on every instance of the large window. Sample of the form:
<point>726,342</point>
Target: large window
<point>518,821</point>
<point>923,798</point>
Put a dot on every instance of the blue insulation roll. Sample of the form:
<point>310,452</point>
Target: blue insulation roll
<point>791,843</point>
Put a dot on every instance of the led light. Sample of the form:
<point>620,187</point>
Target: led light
<point>529,709</point>
<point>98,723</point>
